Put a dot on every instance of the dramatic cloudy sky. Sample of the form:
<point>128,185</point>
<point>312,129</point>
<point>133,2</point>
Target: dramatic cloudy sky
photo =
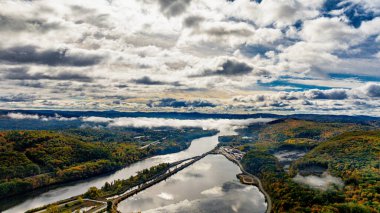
<point>285,56</point>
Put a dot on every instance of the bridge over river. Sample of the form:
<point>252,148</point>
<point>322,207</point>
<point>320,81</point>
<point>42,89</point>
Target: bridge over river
<point>115,200</point>
<point>179,165</point>
<point>112,202</point>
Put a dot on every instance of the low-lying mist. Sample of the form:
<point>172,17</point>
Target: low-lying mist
<point>225,126</point>
<point>323,182</point>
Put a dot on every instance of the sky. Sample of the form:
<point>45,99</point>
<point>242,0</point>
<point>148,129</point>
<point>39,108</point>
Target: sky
<point>280,56</point>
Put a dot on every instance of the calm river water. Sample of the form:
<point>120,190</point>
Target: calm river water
<point>208,185</point>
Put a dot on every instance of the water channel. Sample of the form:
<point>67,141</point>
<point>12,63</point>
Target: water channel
<point>208,185</point>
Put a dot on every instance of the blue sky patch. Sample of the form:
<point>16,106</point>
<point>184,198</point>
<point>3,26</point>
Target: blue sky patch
<point>354,12</point>
<point>296,86</point>
<point>253,50</point>
<point>364,78</point>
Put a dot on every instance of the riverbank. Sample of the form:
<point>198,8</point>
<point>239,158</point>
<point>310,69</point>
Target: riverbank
<point>111,203</point>
<point>256,182</point>
<point>113,200</point>
<point>41,158</point>
<point>209,185</point>
<point>197,147</point>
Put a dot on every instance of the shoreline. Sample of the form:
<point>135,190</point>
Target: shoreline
<point>258,181</point>
<point>116,199</point>
<point>25,196</point>
<point>22,196</point>
<point>156,179</point>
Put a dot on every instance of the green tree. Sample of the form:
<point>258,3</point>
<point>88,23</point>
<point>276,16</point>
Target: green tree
<point>93,193</point>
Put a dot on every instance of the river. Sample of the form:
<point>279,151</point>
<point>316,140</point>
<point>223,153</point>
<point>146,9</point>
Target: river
<point>209,185</point>
<point>222,174</point>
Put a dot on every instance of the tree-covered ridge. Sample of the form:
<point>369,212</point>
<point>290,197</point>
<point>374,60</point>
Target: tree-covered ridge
<point>51,151</point>
<point>293,131</point>
<point>36,158</point>
<point>289,196</point>
<point>351,155</point>
<point>289,133</point>
<point>355,157</point>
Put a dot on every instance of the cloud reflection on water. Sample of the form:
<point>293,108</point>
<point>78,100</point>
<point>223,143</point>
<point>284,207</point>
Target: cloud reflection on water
<point>210,185</point>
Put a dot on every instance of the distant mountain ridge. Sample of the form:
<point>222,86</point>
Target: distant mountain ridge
<point>193,115</point>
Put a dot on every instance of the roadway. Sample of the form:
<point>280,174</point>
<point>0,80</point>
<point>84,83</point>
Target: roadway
<point>259,185</point>
<point>179,165</point>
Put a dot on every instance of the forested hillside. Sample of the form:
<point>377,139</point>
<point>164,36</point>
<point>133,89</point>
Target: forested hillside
<point>353,156</point>
<point>32,159</point>
<point>289,133</point>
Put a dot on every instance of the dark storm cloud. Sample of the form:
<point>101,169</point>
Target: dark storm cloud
<point>34,84</point>
<point>57,57</point>
<point>171,102</point>
<point>148,81</point>
<point>71,76</point>
<point>121,86</point>
<point>23,74</point>
<point>15,24</point>
<point>373,90</point>
<point>173,7</point>
<point>116,102</point>
<point>230,68</point>
<point>329,94</point>
<point>192,21</point>
<point>21,97</point>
